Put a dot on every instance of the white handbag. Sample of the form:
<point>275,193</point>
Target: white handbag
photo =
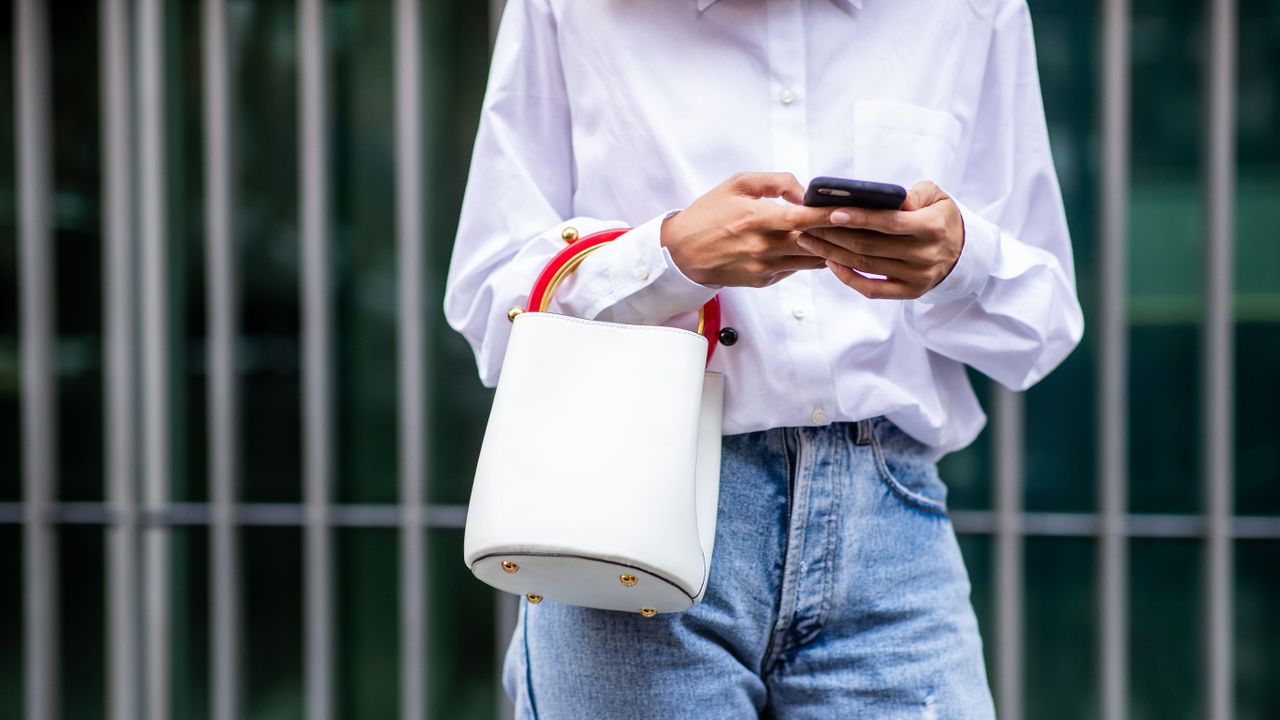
<point>598,479</point>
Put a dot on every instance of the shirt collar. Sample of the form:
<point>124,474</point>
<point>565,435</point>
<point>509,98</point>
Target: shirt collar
<point>848,4</point>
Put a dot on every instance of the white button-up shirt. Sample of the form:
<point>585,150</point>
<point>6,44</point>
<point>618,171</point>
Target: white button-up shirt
<point>608,114</point>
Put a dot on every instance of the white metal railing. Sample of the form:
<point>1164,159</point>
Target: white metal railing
<point>135,258</point>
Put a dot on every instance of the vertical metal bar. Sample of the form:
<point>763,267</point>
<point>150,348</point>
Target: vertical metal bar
<point>495,18</point>
<point>224,626</point>
<point>155,346</point>
<point>412,359</point>
<point>39,409</point>
<point>1009,438</point>
<point>121,381</point>
<point>1113,387</point>
<point>316,370</point>
<point>1218,355</point>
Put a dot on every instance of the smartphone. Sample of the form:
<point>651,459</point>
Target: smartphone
<point>842,192</point>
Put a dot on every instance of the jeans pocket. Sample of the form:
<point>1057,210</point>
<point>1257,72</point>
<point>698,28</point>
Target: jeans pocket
<point>906,469</point>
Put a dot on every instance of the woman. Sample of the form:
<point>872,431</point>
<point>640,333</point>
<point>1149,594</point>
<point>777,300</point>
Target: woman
<point>837,588</point>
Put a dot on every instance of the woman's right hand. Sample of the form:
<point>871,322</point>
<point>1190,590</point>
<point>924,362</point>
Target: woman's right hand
<point>736,236</point>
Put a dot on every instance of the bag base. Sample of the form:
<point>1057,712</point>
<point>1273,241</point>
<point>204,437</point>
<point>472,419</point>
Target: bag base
<point>580,580</point>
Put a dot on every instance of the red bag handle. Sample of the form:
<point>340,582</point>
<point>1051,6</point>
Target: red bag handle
<point>572,255</point>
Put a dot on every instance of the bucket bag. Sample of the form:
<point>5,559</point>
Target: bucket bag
<point>598,478</point>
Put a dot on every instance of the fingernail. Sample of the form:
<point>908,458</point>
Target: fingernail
<point>831,265</point>
<point>839,217</point>
<point>803,242</point>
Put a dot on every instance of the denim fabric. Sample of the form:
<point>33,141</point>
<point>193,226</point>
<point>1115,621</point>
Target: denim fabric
<point>837,591</point>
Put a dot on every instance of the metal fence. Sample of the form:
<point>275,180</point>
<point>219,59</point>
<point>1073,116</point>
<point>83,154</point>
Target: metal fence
<point>138,525</point>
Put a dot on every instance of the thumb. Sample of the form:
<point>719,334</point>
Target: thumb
<point>922,195</point>
<point>768,185</point>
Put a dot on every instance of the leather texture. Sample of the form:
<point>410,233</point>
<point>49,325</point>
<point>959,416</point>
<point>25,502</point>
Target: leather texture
<point>601,458</point>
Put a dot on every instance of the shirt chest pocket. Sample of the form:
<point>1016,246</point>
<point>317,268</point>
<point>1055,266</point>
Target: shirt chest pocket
<point>904,144</point>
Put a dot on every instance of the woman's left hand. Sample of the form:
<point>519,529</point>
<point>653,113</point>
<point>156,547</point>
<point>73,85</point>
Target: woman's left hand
<point>914,248</point>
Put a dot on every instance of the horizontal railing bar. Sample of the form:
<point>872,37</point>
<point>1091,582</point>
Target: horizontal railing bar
<point>1245,527</point>
<point>248,514</point>
<point>966,522</point>
<point>1134,525</point>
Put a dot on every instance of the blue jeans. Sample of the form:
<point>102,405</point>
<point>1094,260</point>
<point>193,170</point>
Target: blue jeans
<point>837,591</point>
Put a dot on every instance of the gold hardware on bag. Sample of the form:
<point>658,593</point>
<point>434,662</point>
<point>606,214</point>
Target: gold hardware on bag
<point>569,234</point>
<point>566,270</point>
<point>534,598</point>
<point>513,312</point>
<point>648,612</point>
<point>508,566</point>
<point>628,580</point>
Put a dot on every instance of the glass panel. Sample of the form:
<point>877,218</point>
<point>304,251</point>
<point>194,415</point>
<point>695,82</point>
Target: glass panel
<point>190,627</point>
<point>73,34</point>
<point>10,410</point>
<point>368,607</point>
<point>456,56</point>
<point>1257,300</point>
<point>978,552</point>
<point>1164,420</point>
<point>272,675</point>
<point>184,109</point>
<point>11,674</point>
<point>364,248</point>
<point>1165,611</point>
<point>1061,428</point>
<point>81,588</point>
<point>463,683</point>
<point>1061,635</point>
<point>1257,655</point>
<point>265,118</point>
<point>968,472</point>
<point>1166,227</point>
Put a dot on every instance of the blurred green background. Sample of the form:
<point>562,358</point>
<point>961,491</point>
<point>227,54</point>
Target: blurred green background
<point>1166,237</point>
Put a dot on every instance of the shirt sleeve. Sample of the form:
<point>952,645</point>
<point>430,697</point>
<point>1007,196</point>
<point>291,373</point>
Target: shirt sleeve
<point>519,199</point>
<point>1009,307</point>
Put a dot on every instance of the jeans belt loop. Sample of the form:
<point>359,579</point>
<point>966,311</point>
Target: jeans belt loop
<point>864,433</point>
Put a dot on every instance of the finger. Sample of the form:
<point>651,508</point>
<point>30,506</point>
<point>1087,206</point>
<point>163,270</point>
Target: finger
<point>871,289</point>
<point>927,225</point>
<point>791,263</point>
<point>889,222</point>
<point>869,242</point>
<point>888,267</point>
<point>781,244</point>
<point>768,185</point>
<point>922,195</point>
<point>792,218</point>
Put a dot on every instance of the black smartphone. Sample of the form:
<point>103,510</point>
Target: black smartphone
<point>842,192</point>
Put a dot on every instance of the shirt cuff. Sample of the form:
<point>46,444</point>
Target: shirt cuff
<point>977,260</point>
<point>645,278</point>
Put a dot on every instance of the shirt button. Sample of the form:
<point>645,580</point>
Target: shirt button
<point>798,312</point>
<point>787,96</point>
<point>819,417</point>
<point>642,272</point>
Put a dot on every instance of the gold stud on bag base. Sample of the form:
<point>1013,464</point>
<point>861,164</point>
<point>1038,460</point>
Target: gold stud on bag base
<point>611,586</point>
